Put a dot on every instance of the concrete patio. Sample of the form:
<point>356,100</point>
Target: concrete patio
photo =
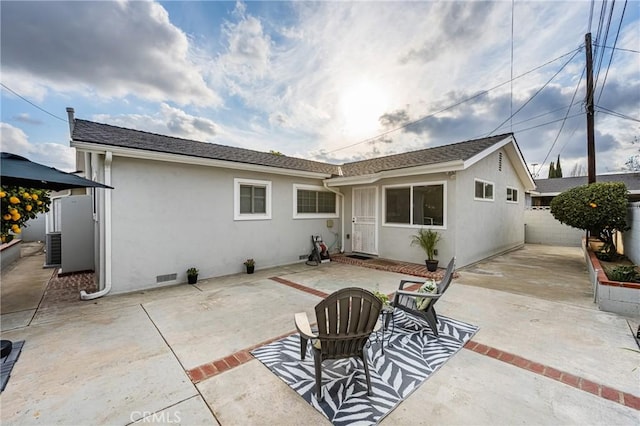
<point>544,354</point>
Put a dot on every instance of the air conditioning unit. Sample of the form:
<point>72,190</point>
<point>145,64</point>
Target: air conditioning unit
<point>53,244</point>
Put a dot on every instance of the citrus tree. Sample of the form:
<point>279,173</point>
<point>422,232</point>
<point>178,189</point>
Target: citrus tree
<point>600,208</point>
<point>18,205</point>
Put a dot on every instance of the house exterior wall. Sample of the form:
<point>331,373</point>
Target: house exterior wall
<point>485,228</point>
<point>394,241</point>
<point>167,217</point>
<point>474,229</point>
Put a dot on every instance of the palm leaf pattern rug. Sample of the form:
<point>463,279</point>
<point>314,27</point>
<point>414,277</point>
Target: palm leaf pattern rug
<point>411,355</point>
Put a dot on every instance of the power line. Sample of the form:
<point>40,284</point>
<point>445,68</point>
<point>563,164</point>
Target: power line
<point>537,93</point>
<point>575,92</point>
<point>484,92</point>
<point>615,114</point>
<point>542,115</point>
<point>621,49</point>
<point>614,46</point>
<point>31,103</point>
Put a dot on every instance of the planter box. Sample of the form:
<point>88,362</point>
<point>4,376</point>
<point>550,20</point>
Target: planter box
<point>611,296</point>
<point>10,252</point>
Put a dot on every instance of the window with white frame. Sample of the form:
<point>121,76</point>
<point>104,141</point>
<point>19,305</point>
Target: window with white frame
<point>416,204</point>
<point>251,199</point>
<point>483,190</point>
<point>311,201</point>
<point>512,194</point>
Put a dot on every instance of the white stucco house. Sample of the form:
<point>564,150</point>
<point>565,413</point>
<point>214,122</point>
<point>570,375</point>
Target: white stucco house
<point>180,203</point>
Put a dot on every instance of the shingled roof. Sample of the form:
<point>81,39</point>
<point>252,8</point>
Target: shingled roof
<point>557,185</point>
<point>104,134</point>
<point>439,154</point>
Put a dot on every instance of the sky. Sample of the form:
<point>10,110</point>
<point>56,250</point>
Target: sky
<point>327,81</point>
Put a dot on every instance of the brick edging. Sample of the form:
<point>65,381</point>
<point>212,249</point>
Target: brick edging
<point>602,276</point>
<point>603,391</point>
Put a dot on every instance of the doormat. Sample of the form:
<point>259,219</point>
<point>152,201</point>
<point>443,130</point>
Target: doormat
<point>8,362</point>
<point>411,355</point>
<point>359,257</point>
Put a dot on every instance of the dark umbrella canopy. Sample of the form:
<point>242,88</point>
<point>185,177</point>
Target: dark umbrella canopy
<point>18,171</point>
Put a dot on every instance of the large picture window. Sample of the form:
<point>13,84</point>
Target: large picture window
<point>252,199</point>
<point>313,202</point>
<point>416,204</point>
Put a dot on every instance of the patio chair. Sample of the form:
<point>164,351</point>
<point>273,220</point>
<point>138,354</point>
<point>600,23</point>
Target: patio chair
<point>408,300</point>
<point>345,321</point>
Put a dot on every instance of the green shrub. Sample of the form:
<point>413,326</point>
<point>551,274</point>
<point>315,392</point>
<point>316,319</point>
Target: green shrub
<point>600,208</point>
<point>626,273</point>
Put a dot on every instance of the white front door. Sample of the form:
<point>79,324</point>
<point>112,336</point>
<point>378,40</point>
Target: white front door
<point>364,220</point>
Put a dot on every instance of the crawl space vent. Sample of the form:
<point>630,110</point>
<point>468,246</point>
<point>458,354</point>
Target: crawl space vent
<point>167,277</point>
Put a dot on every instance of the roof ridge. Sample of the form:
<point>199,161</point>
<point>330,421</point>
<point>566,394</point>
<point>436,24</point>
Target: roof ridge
<point>177,138</point>
<point>497,137</point>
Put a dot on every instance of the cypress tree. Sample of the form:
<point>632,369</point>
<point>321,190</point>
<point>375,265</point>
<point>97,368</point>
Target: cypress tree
<point>558,168</point>
<point>552,170</point>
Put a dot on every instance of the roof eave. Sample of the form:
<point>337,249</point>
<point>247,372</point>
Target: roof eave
<point>449,166</point>
<point>515,155</point>
<point>189,159</point>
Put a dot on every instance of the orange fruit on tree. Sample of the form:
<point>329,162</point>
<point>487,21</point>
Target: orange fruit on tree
<point>14,200</point>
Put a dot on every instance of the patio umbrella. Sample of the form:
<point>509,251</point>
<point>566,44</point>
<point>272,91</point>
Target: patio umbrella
<point>19,171</point>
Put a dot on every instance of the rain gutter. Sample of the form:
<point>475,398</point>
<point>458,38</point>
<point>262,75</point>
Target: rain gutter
<point>108,158</point>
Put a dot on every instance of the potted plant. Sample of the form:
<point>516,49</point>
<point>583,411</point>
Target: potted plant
<point>192,275</point>
<point>427,239</point>
<point>383,298</point>
<point>250,264</point>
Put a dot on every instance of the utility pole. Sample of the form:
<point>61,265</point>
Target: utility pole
<point>591,145</point>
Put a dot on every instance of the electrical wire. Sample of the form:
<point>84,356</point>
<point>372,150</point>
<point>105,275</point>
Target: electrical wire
<point>615,114</point>
<point>606,36</point>
<point>31,103</point>
<point>624,8</point>
<point>575,92</point>
<point>542,115</point>
<point>484,92</point>
<point>621,49</point>
<point>535,94</point>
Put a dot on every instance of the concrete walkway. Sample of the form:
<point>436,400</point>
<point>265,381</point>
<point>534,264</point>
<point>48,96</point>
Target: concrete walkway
<point>544,354</point>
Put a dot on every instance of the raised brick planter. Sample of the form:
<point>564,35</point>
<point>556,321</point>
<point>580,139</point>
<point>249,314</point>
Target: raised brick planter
<point>611,296</point>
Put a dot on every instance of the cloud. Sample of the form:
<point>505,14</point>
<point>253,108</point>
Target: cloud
<point>169,121</point>
<point>15,141</point>
<point>26,119</point>
<point>110,49</point>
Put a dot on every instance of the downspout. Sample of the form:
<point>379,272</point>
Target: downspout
<point>341,195</point>
<point>108,158</point>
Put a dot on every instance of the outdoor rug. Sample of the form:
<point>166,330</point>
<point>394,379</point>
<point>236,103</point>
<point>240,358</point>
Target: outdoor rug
<point>410,356</point>
<point>6,363</point>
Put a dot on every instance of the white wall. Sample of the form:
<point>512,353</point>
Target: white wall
<point>35,229</point>
<point>475,229</point>
<point>542,228</point>
<point>484,228</point>
<point>168,217</point>
<point>631,238</point>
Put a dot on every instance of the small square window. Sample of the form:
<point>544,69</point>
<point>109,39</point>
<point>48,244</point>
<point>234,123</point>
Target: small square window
<point>483,190</point>
<point>252,199</point>
<point>512,195</point>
